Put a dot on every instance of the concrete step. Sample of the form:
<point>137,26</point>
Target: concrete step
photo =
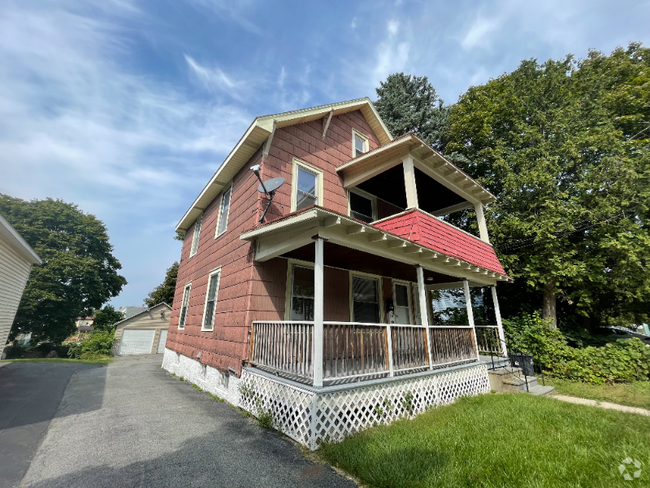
<point>516,384</point>
<point>540,390</point>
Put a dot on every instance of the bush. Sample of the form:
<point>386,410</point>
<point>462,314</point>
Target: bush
<point>99,344</point>
<point>621,361</point>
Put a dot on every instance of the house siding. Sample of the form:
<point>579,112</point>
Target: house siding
<point>14,273</point>
<point>251,291</point>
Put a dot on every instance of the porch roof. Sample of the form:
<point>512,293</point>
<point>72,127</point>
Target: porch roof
<point>298,229</point>
<point>426,159</point>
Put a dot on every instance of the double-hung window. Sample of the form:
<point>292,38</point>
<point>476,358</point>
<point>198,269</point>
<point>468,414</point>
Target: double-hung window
<point>185,303</point>
<point>196,236</point>
<point>362,207</point>
<point>306,186</point>
<point>224,208</point>
<point>365,299</point>
<point>359,144</point>
<point>302,293</point>
<point>211,300</point>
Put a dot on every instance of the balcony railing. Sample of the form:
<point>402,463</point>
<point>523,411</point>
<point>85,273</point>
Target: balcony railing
<point>487,339</point>
<point>355,351</point>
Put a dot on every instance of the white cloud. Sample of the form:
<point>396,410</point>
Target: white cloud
<point>392,27</point>
<point>479,32</point>
<point>282,77</point>
<point>353,24</point>
<point>212,78</point>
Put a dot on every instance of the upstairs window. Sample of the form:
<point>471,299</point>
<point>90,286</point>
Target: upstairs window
<point>196,236</point>
<point>224,208</point>
<point>362,207</point>
<point>211,300</point>
<point>184,306</point>
<point>359,144</point>
<point>306,186</point>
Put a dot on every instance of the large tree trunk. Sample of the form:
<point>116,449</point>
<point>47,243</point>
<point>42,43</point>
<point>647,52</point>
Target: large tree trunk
<point>549,307</point>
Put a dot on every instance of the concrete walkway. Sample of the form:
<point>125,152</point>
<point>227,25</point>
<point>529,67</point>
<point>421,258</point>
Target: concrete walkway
<point>607,405</point>
<point>130,424</point>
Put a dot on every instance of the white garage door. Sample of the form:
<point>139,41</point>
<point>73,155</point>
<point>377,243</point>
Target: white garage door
<point>162,341</point>
<point>137,341</point>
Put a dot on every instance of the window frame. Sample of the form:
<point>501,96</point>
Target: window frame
<point>226,189</point>
<point>214,272</point>
<point>289,289</point>
<point>364,138</point>
<point>196,235</point>
<point>187,288</point>
<point>380,292</point>
<point>297,165</point>
<point>364,194</point>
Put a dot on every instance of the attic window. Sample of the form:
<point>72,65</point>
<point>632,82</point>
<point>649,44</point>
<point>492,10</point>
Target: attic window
<point>196,236</point>
<point>359,144</point>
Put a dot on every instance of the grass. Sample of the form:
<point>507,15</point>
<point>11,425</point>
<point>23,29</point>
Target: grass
<point>105,360</point>
<point>499,441</point>
<point>632,394</point>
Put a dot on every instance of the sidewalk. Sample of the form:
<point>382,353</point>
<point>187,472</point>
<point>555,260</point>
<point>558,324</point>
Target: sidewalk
<point>607,405</point>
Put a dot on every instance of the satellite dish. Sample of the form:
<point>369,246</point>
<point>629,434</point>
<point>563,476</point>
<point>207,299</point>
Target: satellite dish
<point>269,186</point>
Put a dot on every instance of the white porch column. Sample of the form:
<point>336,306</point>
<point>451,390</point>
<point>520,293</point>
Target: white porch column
<point>424,309</point>
<point>470,313</point>
<point>409,183</point>
<point>497,312</point>
<point>482,226</point>
<point>319,298</point>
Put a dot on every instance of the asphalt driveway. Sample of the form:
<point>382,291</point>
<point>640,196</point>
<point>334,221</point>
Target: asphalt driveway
<point>131,424</point>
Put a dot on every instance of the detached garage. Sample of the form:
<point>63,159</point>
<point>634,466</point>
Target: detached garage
<point>144,333</point>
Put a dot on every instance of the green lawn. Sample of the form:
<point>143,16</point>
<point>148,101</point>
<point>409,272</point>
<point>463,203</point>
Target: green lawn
<point>106,360</point>
<point>632,394</point>
<point>499,441</point>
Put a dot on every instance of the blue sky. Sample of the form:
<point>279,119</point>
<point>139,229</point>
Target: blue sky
<point>127,107</point>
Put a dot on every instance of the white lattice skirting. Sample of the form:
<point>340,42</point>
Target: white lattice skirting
<point>311,416</point>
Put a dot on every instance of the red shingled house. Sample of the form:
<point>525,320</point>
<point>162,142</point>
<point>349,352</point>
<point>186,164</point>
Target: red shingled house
<point>321,311</point>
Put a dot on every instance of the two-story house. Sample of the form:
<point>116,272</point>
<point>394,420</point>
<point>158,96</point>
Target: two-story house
<point>313,302</point>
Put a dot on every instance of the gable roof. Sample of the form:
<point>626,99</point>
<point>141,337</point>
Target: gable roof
<point>259,131</point>
<point>126,321</point>
<point>15,240</point>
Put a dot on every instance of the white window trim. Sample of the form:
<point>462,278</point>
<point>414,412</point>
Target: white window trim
<point>219,216</point>
<point>297,163</point>
<point>289,290</point>
<point>364,194</point>
<point>380,291</point>
<point>216,298</point>
<point>366,145</point>
<point>409,295</point>
<point>187,288</point>
<point>196,236</point>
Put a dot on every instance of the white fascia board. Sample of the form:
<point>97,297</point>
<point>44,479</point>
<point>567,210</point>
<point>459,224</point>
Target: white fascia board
<point>12,236</point>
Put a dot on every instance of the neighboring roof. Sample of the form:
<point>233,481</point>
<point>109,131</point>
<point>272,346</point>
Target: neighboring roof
<point>453,177</point>
<point>15,240</point>
<point>260,130</point>
<point>125,321</point>
<point>131,311</point>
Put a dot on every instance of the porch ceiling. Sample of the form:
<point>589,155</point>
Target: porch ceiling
<point>297,230</point>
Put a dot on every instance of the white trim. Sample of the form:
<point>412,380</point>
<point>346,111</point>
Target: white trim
<point>219,215</point>
<point>364,138</point>
<point>214,272</point>
<point>318,174</point>
<point>187,288</point>
<point>319,306</point>
<point>196,235</point>
<point>12,236</point>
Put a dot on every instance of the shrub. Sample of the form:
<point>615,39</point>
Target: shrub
<point>622,361</point>
<point>99,344</point>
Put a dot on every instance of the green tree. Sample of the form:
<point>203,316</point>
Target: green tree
<point>165,291</point>
<point>79,272</point>
<point>565,146</point>
<point>106,318</point>
<point>409,103</point>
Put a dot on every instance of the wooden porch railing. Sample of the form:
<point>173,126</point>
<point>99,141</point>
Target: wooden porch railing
<point>487,338</point>
<point>354,351</point>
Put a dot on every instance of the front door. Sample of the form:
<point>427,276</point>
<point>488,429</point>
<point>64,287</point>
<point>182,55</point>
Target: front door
<point>402,303</point>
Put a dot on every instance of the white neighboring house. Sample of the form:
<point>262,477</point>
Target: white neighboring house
<point>143,333</point>
<point>16,260</point>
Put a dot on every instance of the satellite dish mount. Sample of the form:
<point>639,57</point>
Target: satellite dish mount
<point>267,187</point>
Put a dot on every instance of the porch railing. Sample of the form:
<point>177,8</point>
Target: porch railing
<point>355,351</point>
<point>487,338</point>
